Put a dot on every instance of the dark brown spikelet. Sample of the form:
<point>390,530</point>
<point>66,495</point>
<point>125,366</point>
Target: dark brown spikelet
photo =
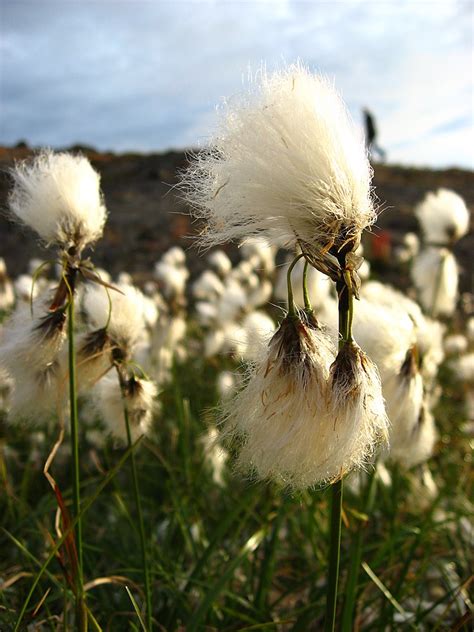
<point>94,343</point>
<point>344,374</point>
<point>52,324</point>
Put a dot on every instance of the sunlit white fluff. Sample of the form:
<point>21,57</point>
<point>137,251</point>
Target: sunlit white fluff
<point>226,384</point>
<point>415,447</point>
<point>216,456</point>
<point>175,256</point>
<point>25,289</point>
<point>172,278</point>
<point>357,407</point>
<point>260,253</point>
<point>140,396</point>
<point>260,295</point>
<point>122,312</point>
<point>207,286</point>
<point>58,195</point>
<point>30,349</point>
<point>259,328</point>
<point>429,333</point>
<point>286,163</point>
<point>7,294</point>
<point>455,344</point>
<point>220,262</point>
<point>443,216</point>
<point>435,276</point>
<point>235,341</point>
<point>464,368</point>
<point>470,329</point>
<point>304,418</point>
<point>232,302</point>
<point>206,313</point>
<point>409,248</point>
<point>213,342</point>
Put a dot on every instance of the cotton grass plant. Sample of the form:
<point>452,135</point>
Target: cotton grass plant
<point>58,195</point>
<point>287,164</point>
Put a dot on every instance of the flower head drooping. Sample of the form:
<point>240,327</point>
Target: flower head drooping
<point>137,394</point>
<point>357,406</point>
<point>30,349</point>
<point>280,416</point>
<point>286,164</point>
<point>58,195</point>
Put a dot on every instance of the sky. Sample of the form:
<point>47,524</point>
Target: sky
<point>147,75</point>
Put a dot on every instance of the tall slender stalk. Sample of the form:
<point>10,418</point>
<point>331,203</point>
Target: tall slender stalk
<point>356,557</point>
<point>138,504</point>
<point>81,613</point>
<point>345,309</point>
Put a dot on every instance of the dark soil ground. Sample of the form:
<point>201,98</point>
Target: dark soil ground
<point>146,215</point>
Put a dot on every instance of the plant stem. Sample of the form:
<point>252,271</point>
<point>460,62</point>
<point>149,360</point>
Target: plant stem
<point>356,557</point>
<point>136,491</point>
<point>345,309</point>
<point>81,615</point>
<point>334,556</point>
<point>291,302</point>
<point>307,301</point>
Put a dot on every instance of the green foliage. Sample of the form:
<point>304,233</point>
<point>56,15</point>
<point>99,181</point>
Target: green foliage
<point>241,556</point>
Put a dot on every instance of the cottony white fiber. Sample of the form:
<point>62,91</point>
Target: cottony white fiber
<point>58,195</point>
<point>140,402</point>
<point>123,312</point>
<point>443,216</point>
<point>435,276</point>
<point>286,163</point>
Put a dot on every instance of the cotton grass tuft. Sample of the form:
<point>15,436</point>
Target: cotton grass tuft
<point>286,163</point>
<point>58,195</point>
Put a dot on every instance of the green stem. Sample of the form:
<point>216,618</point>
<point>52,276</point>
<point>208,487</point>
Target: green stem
<point>76,494</point>
<point>136,491</point>
<point>334,556</point>
<point>307,301</point>
<point>345,309</point>
<point>291,302</point>
<point>356,557</point>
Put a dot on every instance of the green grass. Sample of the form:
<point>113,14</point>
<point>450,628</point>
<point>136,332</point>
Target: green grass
<point>244,556</point>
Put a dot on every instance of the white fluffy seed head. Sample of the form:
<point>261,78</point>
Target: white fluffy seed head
<point>58,195</point>
<point>443,216</point>
<point>357,406</point>
<point>122,312</point>
<point>435,276</point>
<point>172,279</point>
<point>286,163</point>
<point>220,262</point>
<point>285,419</point>
<point>260,253</point>
<point>207,286</point>
<point>455,344</point>
<point>140,399</point>
<point>416,445</point>
<point>30,348</point>
<point>463,368</point>
<point>175,256</point>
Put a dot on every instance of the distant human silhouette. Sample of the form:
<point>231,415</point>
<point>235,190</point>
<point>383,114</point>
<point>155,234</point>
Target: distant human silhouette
<point>371,135</point>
